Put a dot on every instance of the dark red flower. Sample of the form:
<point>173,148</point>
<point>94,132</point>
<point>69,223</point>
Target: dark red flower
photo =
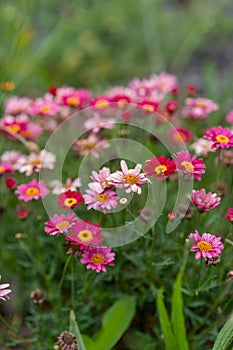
<point>70,199</point>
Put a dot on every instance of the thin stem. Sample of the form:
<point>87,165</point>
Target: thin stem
<point>2,319</point>
<point>63,275</point>
<point>72,285</point>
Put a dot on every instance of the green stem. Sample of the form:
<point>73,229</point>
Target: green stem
<point>72,285</point>
<point>63,275</point>
<point>2,319</point>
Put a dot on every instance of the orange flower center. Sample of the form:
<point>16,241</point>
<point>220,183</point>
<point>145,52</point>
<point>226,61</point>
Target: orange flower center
<point>2,169</point>
<point>36,162</point>
<point>97,259</point>
<point>69,202</point>
<point>222,139</point>
<point>204,246</point>
<point>62,225</point>
<point>160,169</point>
<point>13,128</point>
<point>45,109</point>
<point>148,107</point>
<point>179,137</point>
<point>32,191</point>
<point>121,103</point>
<point>102,104</point>
<point>131,179</point>
<point>201,104</point>
<point>73,101</point>
<point>101,197</point>
<point>188,166</point>
<point>85,235</point>
<point>26,134</point>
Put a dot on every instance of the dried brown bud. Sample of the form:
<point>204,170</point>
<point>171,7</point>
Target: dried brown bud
<point>67,341</point>
<point>38,296</point>
<point>226,157</point>
<point>212,261</point>
<point>182,210</point>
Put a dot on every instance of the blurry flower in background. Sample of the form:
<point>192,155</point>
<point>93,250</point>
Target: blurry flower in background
<point>202,147</point>
<point>96,123</point>
<point>4,292</point>
<point>38,296</point>
<point>32,190</point>
<point>220,137</point>
<point>58,187</point>
<point>205,201</point>
<point>92,145</point>
<point>37,161</point>
<point>198,108</point>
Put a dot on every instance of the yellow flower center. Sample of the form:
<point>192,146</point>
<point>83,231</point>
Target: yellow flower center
<point>90,145</point>
<point>179,137</point>
<point>188,166</point>
<point>201,104</point>
<point>148,108</point>
<point>97,259</point>
<point>62,225</point>
<point>13,128</point>
<point>45,109</point>
<point>85,235</point>
<point>131,179</point>
<point>222,139</point>
<point>121,103</point>
<point>204,246</point>
<point>32,191</point>
<point>36,162</point>
<point>102,104</point>
<point>73,101</point>
<point>69,202</point>
<point>2,169</point>
<point>26,134</point>
<point>160,169</point>
<point>101,197</point>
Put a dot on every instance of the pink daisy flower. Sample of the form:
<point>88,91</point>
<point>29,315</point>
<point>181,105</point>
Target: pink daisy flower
<point>60,224</point>
<point>148,106</point>
<point>202,147</point>
<point>76,98</point>
<point>16,105</point>
<point>85,234</point>
<point>100,182</point>
<point>45,107</point>
<point>189,165</point>
<point>5,168</point>
<point>32,190</point>
<point>100,102</point>
<point>101,200</point>
<point>70,199</point>
<point>205,201</point>
<point>12,157</point>
<point>207,246</point>
<point>160,167</point>
<point>129,179</point>
<point>97,258</point>
<point>4,293</point>
<point>221,137</point>
<point>180,135</point>
<point>198,108</point>
<point>59,187</point>
<point>92,145</point>
<point>229,216</point>
<point>96,123</point>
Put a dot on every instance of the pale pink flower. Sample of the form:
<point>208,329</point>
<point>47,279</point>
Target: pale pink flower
<point>16,105</point>
<point>189,165</point>
<point>198,108</point>
<point>44,107</point>
<point>4,293</point>
<point>12,157</point>
<point>205,201</point>
<point>220,137</point>
<point>58,187</point>
<point>129,179</point>
<point>32,190</point>
<point>207,246</point>
<point>20,125</point>
<point>92,145</point>
<point>100,182</point>
<point>97,123</point>
<point>37,161</point>
<point>97,258</point>
<point>60,224</point>
<point>101,200</point>
<point>202,147</point>
<point>85,234</point>
<point>229,117</point>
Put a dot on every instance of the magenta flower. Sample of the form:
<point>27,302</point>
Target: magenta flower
<point>44,107</point>
<point>85,234</point>
<point>129,179</point>
<point>229,216</point>
<point>160,167</point>
<point>198,108</point>
<point>4,293</point>
<point>190,165</point>
<point>32,190</point>
<point>207,246</point>
<point>205,201</point>
<point>221,137</point>
<point>101,200</point>
<point>97,258</point>
<point>60,224</point>
<point>5,167</point>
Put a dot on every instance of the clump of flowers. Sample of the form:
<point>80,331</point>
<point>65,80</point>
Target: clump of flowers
<point>205,201</point>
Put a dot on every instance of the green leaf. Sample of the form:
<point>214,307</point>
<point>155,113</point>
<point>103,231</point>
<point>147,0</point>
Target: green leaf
<point>115,322</point>
<point>225,336</point>
<point>75,330</point>
<point>164,321</point>
<point>177,316</point>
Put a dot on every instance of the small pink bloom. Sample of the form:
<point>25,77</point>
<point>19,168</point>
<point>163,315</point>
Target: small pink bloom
<point>179,135</point>
<point>4,293</point>
<point>198,108</point>
<point>12,157</point>
<point>97,123</point>
<point>45,108</point>
<point>172,215</point>
<point>100,182</point>
<point>129,179</point>
<point>99,200</point>
<point>100,102</point>
<point>37,161</point>
<point>171,106</point>
<point>205,201</point>
<point>189,165</point>
<point>60,224</point>
<point>229,117</point>
<point>5,168</point>
<point>207,246</point>
<point>92,145</point>
<point>32,190</point>
<point>229,216</point>
<point>97,258</point>
<point>85,234</point>
<point>17,105</point>
<point>221,137</point>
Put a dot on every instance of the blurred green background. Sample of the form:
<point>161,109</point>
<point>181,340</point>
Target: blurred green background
<point>97,43</point>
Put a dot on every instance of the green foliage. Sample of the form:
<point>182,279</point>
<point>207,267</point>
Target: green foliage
<point>225,336</point>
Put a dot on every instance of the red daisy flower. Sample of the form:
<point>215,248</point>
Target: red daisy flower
<point>160,167</point>
<point>70,199</point>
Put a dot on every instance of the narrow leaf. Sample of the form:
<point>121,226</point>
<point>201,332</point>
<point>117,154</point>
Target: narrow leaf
<point>115,322</point>
<point>225,336</point>
<point>75,330</point>
<point>164,321</point>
